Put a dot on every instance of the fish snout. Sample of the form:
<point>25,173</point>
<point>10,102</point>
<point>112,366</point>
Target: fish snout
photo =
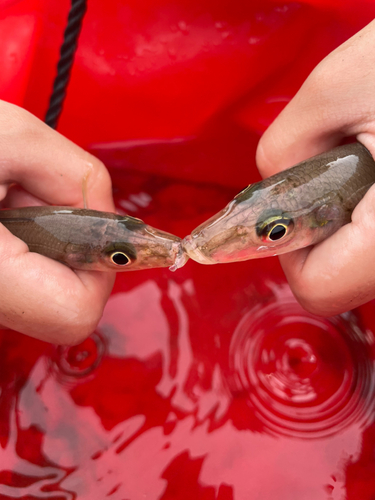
<point>181,257</point>
<point>195,251</point>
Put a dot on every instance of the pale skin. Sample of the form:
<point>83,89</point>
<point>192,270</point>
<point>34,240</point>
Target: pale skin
<point>39,296</point>
<point>49,301</point>
<point>336,101</point>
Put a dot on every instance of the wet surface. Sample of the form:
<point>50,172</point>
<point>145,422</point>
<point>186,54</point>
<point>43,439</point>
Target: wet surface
<point>207,383</point>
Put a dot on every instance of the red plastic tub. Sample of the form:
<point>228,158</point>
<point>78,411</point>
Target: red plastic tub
<point>210,383</point>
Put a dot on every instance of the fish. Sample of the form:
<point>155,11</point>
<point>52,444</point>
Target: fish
<point>292,209</point>
<point>92,240</point>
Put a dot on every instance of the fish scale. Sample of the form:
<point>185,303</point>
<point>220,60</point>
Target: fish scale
<point>89,239</point>
<point>293,209</point>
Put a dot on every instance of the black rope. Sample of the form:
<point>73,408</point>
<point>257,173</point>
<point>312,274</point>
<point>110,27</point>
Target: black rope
<point>67,51</point>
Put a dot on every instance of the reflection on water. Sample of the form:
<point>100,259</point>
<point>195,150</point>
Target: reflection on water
<point>81,360</point>
<point>305,376</point>
<point>143,409</point>
<point>209,383</point>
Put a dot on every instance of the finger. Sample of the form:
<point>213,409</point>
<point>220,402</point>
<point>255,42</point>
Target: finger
<point>45,299</point>
<point>337,274</point>
<point>19,197</point>
<point>39,296</point>
<point>335,101</point>
<point>47,164</point>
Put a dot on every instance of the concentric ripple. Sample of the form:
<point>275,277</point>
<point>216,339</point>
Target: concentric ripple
<point>304,376</point>
<point>76,362</point>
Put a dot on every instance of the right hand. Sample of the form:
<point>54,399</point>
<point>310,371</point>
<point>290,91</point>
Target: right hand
<point>336,100</point>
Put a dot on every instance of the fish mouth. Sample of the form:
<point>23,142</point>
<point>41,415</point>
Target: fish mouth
<point>194,252</point>
<point>180,259</point>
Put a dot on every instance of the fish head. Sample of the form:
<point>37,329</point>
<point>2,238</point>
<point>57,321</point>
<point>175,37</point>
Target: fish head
<point>140,247</point>
<point>259,222</point>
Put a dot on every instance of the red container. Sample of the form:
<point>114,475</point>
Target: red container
<point>210,383</point>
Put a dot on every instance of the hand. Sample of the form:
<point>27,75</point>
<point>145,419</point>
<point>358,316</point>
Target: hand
<point>336,100</point>
<point>39,296</point>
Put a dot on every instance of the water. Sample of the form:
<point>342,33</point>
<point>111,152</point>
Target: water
<point>207,383</point>
<point>303,376</point>
<point>210,383</point>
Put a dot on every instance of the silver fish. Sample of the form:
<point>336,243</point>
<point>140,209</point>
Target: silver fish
<point>93,240</point>
<point>293,209</point>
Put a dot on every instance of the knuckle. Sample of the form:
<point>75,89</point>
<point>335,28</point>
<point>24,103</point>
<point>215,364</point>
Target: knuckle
<point>318,92</point>
<point>261,158</point>
<point>270,150</point>
<point>98,181</point>
<point>15,120</point>
<point>324,75</point>
<point>102,175</point>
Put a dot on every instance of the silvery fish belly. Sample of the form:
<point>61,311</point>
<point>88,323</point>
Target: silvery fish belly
<point>93,240</point>
<point>293,209</point>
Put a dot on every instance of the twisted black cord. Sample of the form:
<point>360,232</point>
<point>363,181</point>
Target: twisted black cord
<point>67,51</point>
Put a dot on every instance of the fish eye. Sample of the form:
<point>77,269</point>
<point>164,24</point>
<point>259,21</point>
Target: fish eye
<point>276,228</point>
<point>120,259</point>
<point>277,232</point>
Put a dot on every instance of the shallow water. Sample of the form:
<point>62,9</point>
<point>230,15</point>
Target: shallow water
<point>207,383</point>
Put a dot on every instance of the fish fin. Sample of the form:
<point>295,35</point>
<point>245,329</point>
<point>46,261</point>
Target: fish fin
<point>326,213</point>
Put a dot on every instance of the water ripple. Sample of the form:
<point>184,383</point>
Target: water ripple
<point>305,376</point>
<point>78,362</point>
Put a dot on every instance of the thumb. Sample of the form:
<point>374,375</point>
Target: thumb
<point>335,101</point>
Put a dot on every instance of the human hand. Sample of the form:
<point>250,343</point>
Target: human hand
<point>39,296</point>
<point>337,100</point>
